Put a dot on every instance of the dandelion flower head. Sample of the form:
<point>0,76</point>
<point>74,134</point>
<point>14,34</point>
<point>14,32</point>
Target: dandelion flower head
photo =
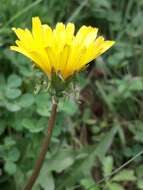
<point>60,50</point>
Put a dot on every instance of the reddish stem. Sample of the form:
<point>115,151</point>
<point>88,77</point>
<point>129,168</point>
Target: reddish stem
<point>44,148</point>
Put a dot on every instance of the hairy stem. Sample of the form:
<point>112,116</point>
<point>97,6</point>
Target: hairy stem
<point>44,148</point>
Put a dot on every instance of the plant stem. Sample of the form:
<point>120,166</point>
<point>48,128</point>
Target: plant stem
<point>44,148</point>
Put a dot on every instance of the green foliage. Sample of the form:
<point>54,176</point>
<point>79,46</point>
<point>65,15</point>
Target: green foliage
<point>123,175</point>
<point>95,133</point>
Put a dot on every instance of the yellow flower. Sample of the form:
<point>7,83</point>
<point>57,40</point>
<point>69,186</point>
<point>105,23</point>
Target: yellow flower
<point>60,50</point>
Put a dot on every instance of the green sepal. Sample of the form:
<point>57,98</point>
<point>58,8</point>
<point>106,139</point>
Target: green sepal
<point>58,85</point>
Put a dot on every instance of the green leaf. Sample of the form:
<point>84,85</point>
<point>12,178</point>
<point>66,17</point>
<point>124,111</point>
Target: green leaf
<point>107,165</point>
<point>33,126</point>
<point>125,175</point>
<point>136,84</point>
<point>61,161</point>
<point>10,167</point>
<point>60,121</point>
<point>21,178</point>
<point>115,186</point>
<point>137,130</point>
<point>68,106</point>
<point>13,154</point>
<point>42,99</point>
<point>12,93</point>
<point>102,3</point>
<point>46,180</point>
<point>26,100</point>
<point>14,81</point>
<point>89,184</point>
<point>25,71</point>
<point>43,110</point>
<point>140,183</point>
<point>139,171</point>
<point>106,142</point>
<point>43,105</point>
<point>9,141</point>
<point>13,107</point>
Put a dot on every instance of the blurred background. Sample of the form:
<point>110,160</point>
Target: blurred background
<point>92,137</point>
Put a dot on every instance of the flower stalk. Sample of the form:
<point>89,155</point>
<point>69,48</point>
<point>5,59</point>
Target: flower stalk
<point>44,148</point>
